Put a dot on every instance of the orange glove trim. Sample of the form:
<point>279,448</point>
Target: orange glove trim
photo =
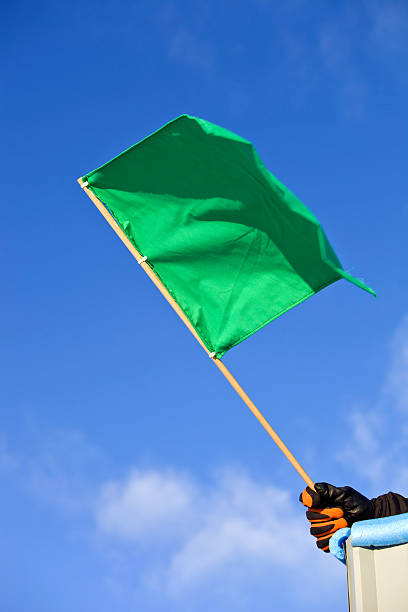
<point>322,514</point>
<point>323,544</point>
<point>307,499</point>
<point>327,528</point>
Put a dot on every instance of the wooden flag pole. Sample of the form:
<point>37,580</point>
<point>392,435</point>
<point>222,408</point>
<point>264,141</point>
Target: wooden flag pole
<point>220,365</point>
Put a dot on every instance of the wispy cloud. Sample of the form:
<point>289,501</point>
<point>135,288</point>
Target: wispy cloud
<point>338,52</point>
<point>169,535</point>
<point>389,24</point>
<point>335,45</point>
<point>57,467</point>
<point>343,49</point>
<point>396,384</point>
<point>340,55</point>
<point>188,48</point>
<point>8,460</point>
<point>186,40</point>
<point>234,527</point>
<point>147,503</point>
<point>377,441</point>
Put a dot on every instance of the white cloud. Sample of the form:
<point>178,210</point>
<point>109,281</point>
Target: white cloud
<point>164,536</point>
<point>144,504</point>
<point>397,377</point>
<point>362,449</point>
<point>377,443</point>
<point>232,532</point>
<point>170,537</point>
<point>238,525</point>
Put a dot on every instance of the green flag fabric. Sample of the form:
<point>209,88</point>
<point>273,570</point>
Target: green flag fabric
<point>232,245</point>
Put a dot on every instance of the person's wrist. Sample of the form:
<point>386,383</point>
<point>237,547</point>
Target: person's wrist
<point>353,516</point>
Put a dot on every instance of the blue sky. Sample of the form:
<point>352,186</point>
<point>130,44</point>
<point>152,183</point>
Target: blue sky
<point>133,477</point>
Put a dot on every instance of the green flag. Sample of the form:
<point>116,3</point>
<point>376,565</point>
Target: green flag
<point>232,245</point>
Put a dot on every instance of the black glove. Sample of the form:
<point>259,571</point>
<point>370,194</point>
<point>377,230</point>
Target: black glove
<point>356,507</point>
<point>332,508</point>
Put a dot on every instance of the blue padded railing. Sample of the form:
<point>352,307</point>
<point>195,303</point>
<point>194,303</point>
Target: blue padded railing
<point>375,533</point>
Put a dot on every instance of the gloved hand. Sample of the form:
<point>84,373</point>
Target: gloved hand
<point>333,508</point>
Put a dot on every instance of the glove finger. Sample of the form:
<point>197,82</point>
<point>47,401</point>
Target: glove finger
<point>326,491</point>
<point>333,496</point>
<point>319,514</point>
<point>323,544</point>
<point>327,528</point>
<point>309,498</point>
